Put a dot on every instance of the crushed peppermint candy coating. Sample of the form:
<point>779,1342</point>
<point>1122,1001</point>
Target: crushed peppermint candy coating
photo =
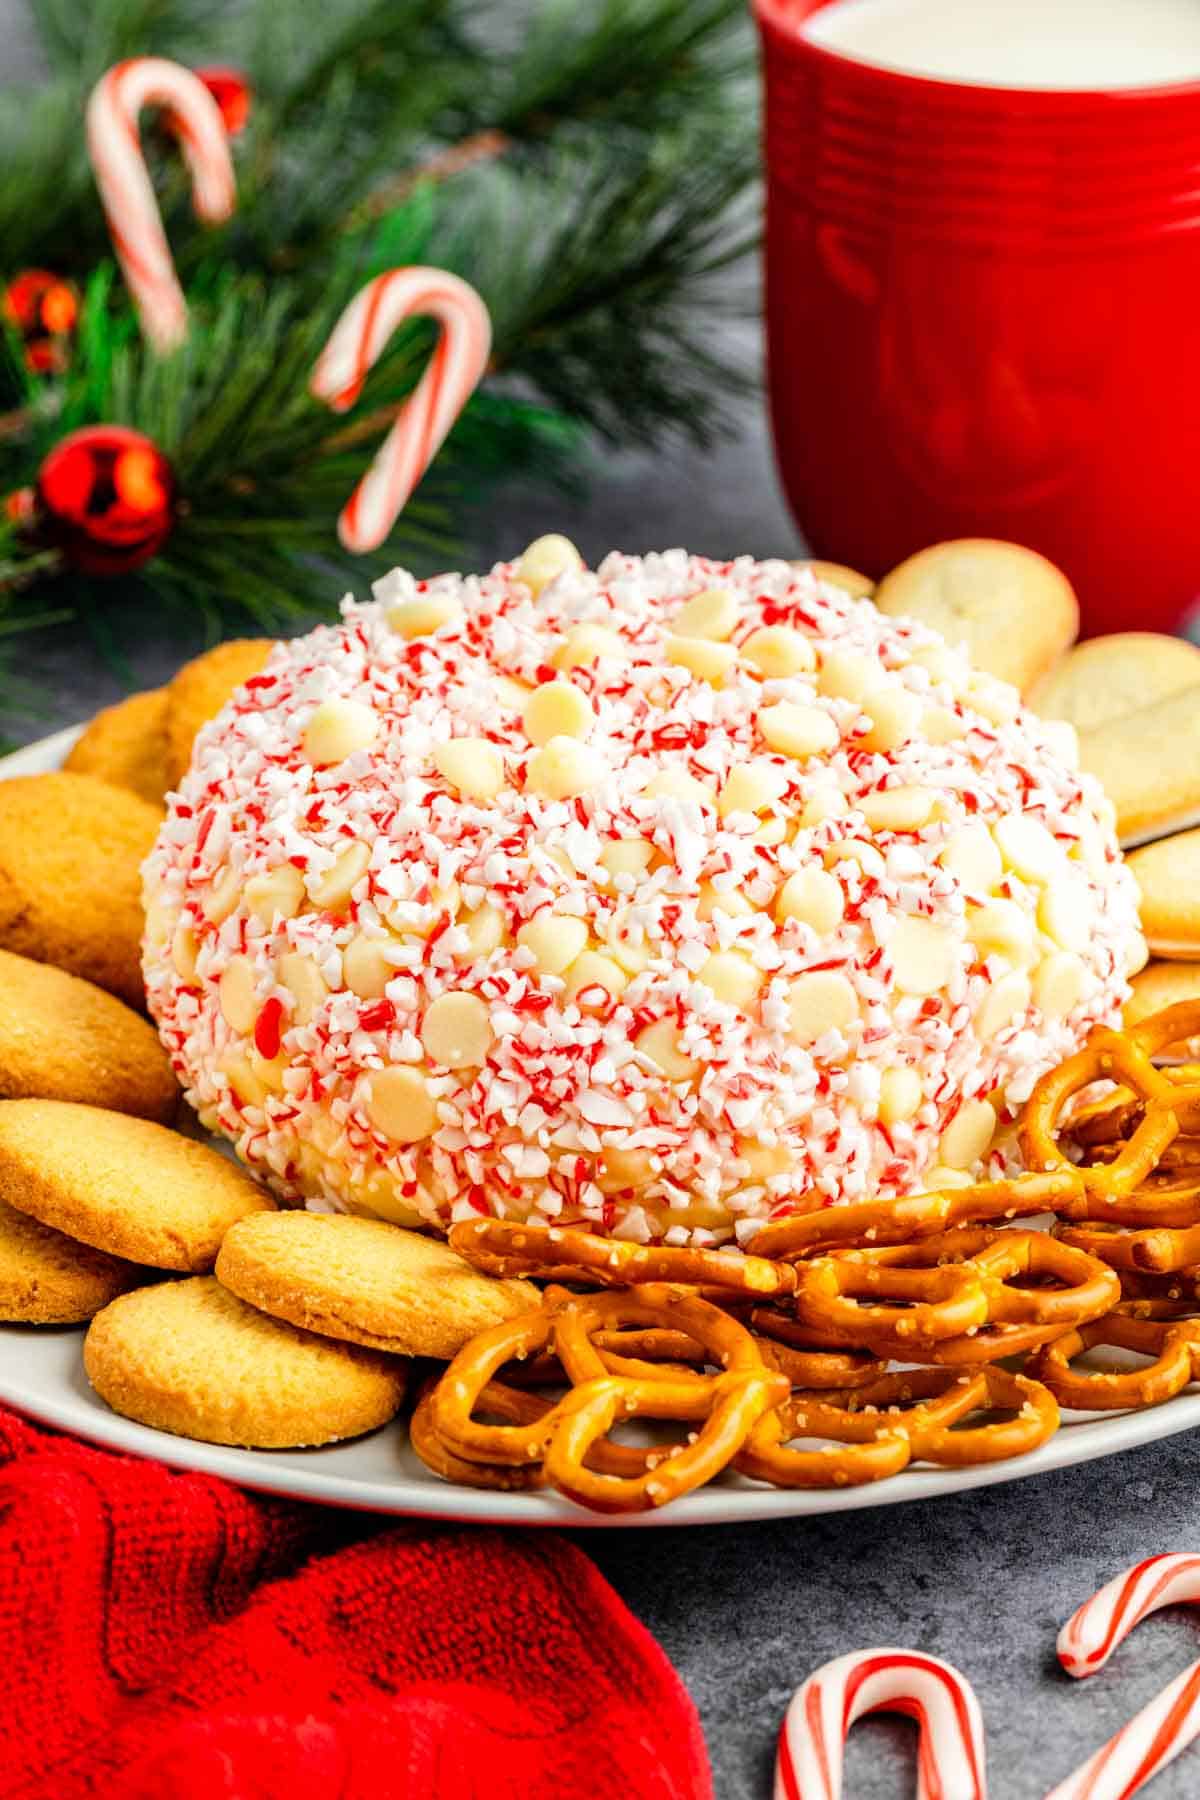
<point>655,897</point>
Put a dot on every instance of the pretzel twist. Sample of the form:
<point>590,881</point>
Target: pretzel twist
<point>1175,1349</point>
<point>947,1287</point>
<point>563,1253</point>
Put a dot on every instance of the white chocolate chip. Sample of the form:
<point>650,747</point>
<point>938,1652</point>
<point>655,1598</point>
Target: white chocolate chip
<point>798,730</point>
<point>941,662</point>
<point>965,1140</point>
<point>1065,909</point>
<point>775,831</point>
<point>732,977</point>
<point>820,1001</point>
<point>545,560</point>
<point>940,1178</point>
<point>971,857</point>
<point>751,788</point>
<point>474,767</point>
<point>627,856</point>
<point>895,717</point>
<point>660,1042</point>
<point>585,644</point>
<point>331,890</point>
<point>897,809</point>
<point>401,1106</point>
<point>711,614</point>
<point>1001,928</point>
<point>304,982</point>
<point>856,850</point>
<point>1027,847</point>
<point>365,969</point>
<point>510,692</point>
<point>998,702</point>
<point>779,651</point>
<point>1137,954</point>
<point>900,1094</point>
<point>562,768</point>
<point>423,614</point>
<point>813,896</point>
<point>1058,984</point>
<point>823,803</point>
<point>457,1030</point>
<point>626,1168</point>
<point>847,676</point>
<point>485,929</point>
<point>557,709</point>
<point>1004,1001</point>
<point>275,894</point>
<point>592,970</point>
<point>677,784</point>
<point>941,726</point>
<point>337,729</point>
<point>703,657</point>
<point>924,956</point>
<point>236,993</point>
<point>555,939</point>
<point>222,898</point>
<point>711,900</point>
<point>184,949</point>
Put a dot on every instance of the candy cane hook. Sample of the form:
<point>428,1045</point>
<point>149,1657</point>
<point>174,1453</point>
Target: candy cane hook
<point>455,371</point>
<point>1156,1735</point>
<point>950,1763</point>
<point>193,116</point>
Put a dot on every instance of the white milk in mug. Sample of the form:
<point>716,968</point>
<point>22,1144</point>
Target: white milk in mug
<point>1052,44</point>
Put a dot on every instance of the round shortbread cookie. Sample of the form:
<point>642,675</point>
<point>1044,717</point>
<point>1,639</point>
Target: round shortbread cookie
<point>200,689</point>
<point>1168,875</point>
<point>1108,677</point>
<point>190,1358</point>
<point>71,850</point>
<point>126,1185</point>
<point>654,897</point>
<point>366,1281</point>
<point>64,1039</point>
<point>47,1278</point>
<point>126,744</point>
<point>1015,612</point>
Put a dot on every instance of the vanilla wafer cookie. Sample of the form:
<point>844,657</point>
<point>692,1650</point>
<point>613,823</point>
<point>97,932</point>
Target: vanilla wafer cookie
<point>1107,677</point>
<point>1014,611</point>
<point>126,745</point>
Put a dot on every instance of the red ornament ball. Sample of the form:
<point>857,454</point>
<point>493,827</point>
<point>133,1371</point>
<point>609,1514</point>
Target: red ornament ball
<point>232,93</point>
<point>106,498</point>
<point>44,309</point>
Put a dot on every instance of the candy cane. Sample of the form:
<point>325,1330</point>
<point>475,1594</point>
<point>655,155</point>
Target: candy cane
<point>455,370</point>
<point>950,1761</point>
<point>134,221</point>
<point>1156,1735</point>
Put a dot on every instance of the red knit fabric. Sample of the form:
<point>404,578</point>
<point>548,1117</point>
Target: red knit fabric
<point>167,1635</point>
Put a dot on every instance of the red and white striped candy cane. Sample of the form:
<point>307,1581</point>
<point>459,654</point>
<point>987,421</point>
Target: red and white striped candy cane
<point>1156,1735</point>
<point>455,371</point>
<point>193,116</point>
<point>950,1758</point>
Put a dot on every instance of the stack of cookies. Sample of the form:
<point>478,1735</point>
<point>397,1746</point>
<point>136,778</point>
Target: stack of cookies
<point>111,1210</point>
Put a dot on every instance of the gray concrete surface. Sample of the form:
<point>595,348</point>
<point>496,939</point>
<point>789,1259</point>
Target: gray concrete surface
<point>984,1580</point>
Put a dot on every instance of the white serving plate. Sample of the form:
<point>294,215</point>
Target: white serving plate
<point>41,1375</point>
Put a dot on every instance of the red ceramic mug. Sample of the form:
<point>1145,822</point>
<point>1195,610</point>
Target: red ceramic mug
<point>983,319</point>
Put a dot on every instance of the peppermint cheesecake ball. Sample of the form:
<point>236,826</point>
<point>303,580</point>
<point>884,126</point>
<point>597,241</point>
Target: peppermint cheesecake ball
<point>657,897</point>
